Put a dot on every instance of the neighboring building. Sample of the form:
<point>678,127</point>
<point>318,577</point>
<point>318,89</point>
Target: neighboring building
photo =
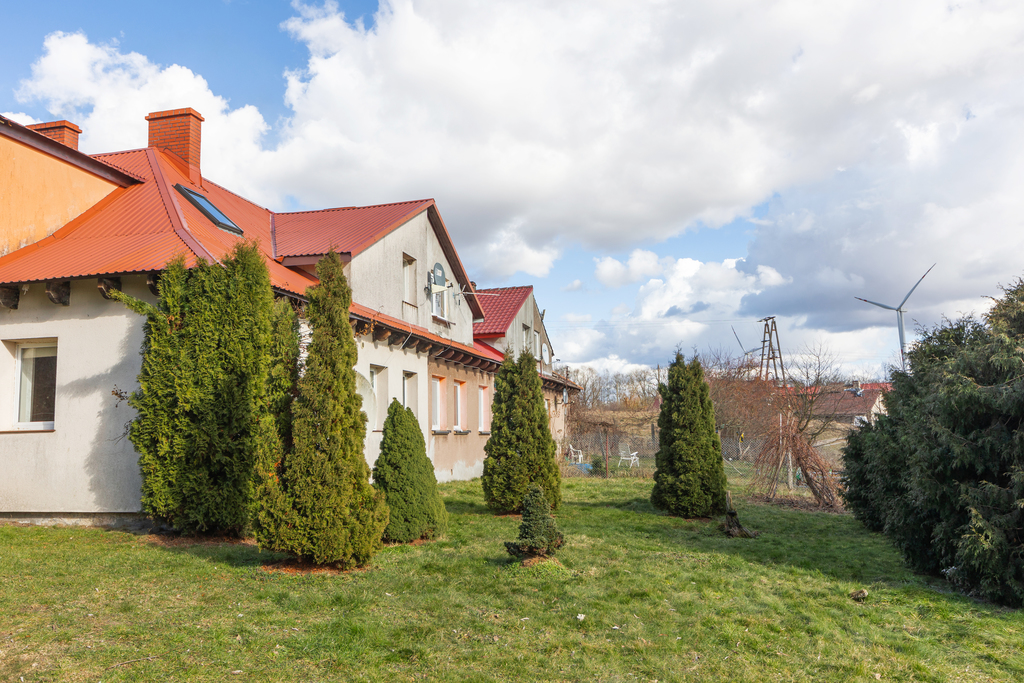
<point>73,226</point>
<point>513,323</point>
<point>854,405</point>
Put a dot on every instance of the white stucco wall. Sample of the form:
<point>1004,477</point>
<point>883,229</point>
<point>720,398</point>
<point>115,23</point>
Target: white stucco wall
<point>86,464</point>
<point>396,362</point>
<point>377,281</point>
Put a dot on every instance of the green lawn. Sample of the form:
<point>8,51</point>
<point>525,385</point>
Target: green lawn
<point>663,599</point>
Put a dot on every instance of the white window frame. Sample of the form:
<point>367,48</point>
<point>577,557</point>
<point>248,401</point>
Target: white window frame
<point>377,374</point>
<point>18,349</point>
<point>409,279</point>
<point>460,405</point>
<point>437,401</point>
<point>439,304</point>
<point>409,398</point>
<point>483,407</point>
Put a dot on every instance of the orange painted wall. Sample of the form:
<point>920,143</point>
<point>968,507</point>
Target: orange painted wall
<point>39,194</point>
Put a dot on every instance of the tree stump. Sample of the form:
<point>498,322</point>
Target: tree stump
<point>732,521</point>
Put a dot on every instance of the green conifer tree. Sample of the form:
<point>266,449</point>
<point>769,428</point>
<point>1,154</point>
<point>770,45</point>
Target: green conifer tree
<point>538,534</point>
<point>521,450</point>
<point>690,477</point>
<point>203,419</point>
<point>317,502</point>
<point>406,476</point>
<point>284,369</point>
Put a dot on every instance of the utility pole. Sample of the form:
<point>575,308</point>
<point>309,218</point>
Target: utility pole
<point>772,369</point>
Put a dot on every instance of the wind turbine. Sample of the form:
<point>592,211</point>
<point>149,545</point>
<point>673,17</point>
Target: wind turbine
<point>899,317</point>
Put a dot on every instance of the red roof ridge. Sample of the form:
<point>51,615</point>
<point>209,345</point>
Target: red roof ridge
<point>117,167</point>
<point>353,208</point>
<point>174,211</point>
<point>497,289</point>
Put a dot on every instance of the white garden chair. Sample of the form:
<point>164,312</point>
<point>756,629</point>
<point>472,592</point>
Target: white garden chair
<point>575,455</point>
<point>625,456</point>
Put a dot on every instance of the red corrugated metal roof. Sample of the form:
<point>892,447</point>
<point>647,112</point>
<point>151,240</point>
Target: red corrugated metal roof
<point>500,307</point>
<point>141,227</point>
<point>350,229</point>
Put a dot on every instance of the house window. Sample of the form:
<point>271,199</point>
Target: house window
<point>409,279</point>
<point>438,292</point>
<point>208,209</point>
<point>460,407</point>
<point>37,384</point>
<point>409,391</point>
<point>526,338</point>
<point>536,344</point>
<point>437,407</point>
<point>483,409</point>
<point>547,405</point>
<point>379,391</point>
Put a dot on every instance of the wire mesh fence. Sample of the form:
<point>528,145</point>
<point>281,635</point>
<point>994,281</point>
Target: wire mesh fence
<point>608,453</point>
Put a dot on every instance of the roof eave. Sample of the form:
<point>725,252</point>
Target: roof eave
<point>19,133</point>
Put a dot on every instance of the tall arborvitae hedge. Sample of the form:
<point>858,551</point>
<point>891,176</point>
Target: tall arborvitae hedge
<point>406,476</point>
<point>203,417</point>
<point>521,450</point>
<point>317,502</point>
<point>284,369</point>
<point>690,477</point>
<point>942,473</point>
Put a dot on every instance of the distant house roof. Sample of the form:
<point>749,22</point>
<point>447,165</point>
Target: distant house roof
<point>849,403</point>
<point>500,306</point>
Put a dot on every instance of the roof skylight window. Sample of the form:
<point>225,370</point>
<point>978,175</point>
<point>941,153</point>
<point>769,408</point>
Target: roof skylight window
<point>202,203</point>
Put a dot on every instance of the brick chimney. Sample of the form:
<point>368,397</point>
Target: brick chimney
<point>64,132</point>
<point>178,130</point>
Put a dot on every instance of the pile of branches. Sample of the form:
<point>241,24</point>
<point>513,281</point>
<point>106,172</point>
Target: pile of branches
<point>787,441</point>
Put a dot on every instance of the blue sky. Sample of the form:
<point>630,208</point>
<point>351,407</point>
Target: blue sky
<point>660,172</point>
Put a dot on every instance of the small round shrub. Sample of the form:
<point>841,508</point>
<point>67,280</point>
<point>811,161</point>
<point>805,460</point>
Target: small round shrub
<point>538,534</point>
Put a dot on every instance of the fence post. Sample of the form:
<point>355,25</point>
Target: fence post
<point>606,472</point>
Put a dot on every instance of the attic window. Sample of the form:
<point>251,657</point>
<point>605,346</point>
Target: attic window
<point>209,210</point>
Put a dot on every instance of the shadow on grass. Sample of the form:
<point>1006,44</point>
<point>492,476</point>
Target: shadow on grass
<point>835,545</point>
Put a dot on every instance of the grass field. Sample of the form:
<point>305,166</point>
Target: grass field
<point>637,596</point>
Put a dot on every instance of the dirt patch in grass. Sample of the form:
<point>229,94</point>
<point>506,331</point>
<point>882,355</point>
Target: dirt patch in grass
<point>534,561</point>
<point>297,567</point>
<point>802,503</point>
<point>177,541</point>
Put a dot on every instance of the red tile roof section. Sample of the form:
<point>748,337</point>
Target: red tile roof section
<point>500,307</point>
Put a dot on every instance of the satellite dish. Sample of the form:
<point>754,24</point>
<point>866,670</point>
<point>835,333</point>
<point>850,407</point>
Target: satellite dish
<point>437,280</point>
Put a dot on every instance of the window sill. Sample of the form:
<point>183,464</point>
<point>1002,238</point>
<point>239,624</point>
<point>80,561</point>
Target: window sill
<point>377,431</point>
<point>29,430</point>
<point>440,432</point>
<point>488,432</point>
<point>461,431</point>
<point>409,303</point>
<point>441,321</point>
